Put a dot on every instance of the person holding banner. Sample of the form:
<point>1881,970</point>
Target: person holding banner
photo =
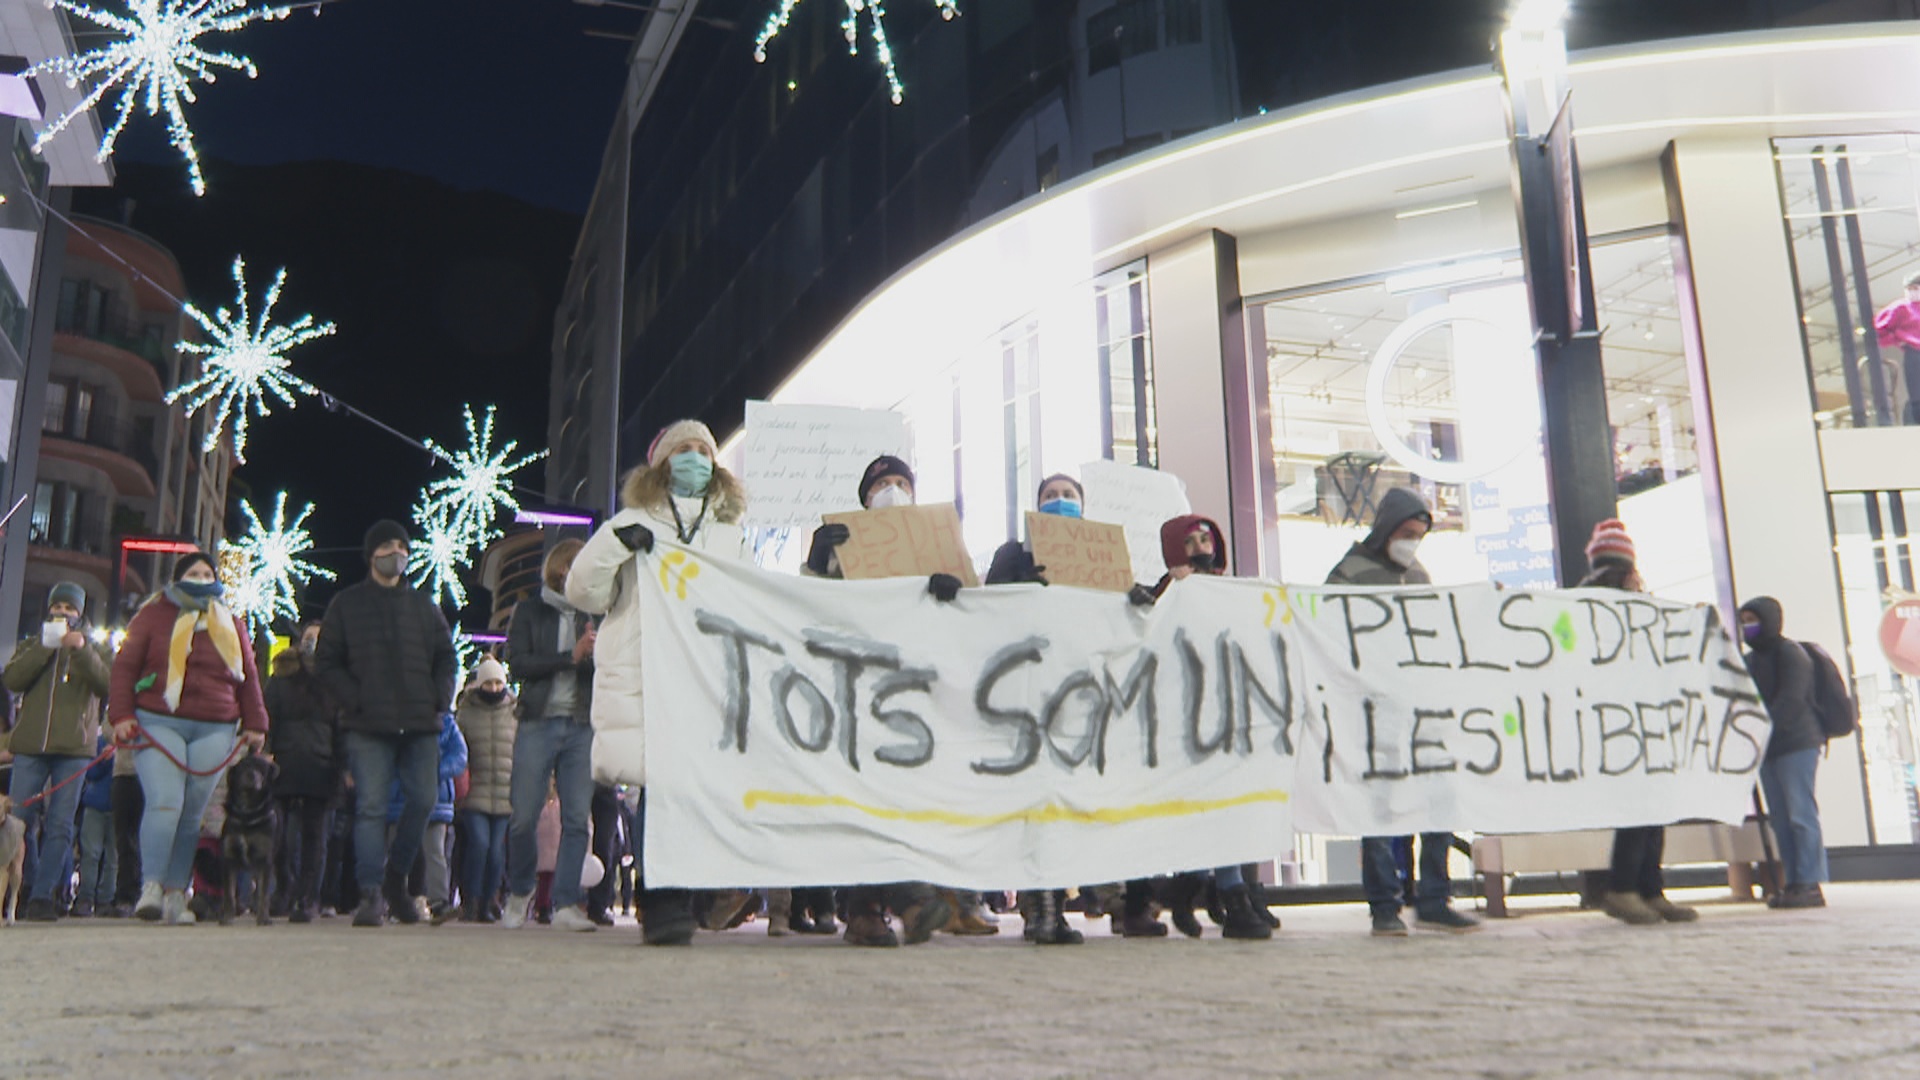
<point>1388,555</point>
<point>683,490</point>
<point>1636,889</point>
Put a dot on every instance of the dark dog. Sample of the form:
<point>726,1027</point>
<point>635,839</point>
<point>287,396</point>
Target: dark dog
<point>246,841</point>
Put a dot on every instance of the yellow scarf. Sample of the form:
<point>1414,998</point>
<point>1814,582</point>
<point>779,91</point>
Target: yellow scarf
<point>217,621</point>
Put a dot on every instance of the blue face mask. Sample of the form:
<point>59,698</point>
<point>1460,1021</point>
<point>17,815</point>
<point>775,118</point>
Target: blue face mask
<point>1069,508</point>
<point>201,590</point>
<point>691,473</point>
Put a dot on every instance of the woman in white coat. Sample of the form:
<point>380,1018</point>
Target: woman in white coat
<point>681,494</point>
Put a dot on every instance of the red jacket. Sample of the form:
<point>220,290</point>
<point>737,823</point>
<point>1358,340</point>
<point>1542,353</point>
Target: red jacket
<point>208,692</point>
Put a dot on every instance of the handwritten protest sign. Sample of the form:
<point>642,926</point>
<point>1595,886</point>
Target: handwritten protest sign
<point>904,541</point>
<point>818,732</point>
<point>804,461</point>
<point>1139,501</point>
<point>1088,554</point>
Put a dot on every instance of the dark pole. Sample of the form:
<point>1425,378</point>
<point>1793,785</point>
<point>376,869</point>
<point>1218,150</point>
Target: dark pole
<point>1553,243</point>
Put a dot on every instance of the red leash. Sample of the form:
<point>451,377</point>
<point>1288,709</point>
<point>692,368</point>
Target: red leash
<point>48,794</point>
<point>149,744</point>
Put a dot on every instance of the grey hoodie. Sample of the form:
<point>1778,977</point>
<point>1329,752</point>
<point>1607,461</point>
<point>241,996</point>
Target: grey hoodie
<point>1366,563</point>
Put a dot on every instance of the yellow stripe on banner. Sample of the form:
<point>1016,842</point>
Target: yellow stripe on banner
<point>1048,814</point>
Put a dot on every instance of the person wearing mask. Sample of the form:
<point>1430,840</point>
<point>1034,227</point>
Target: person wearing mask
<point>1636,888</point>
<point>60,678</point>
<point>386,655</point>
<point>305,743</point>
<point>682,494</point>
<point>488,721</point>
<point>436,879</point>
<point>1899,324</point>
<point>551,645</point>
<point>98,858</point>
<point>184,677</point>
<point>1389,555</point>
<point>1788,681</point>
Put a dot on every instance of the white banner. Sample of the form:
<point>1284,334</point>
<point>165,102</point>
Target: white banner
<point>802,461</point>
<point>809,732</point>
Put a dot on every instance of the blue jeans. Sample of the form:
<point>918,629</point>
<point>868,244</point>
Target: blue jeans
<point>559,748</point>
<point>98,861</point>
<point>485,859</point>
<point>1380,874</point>
<point>374,761</point>
<point>170,825</point>
<point>1788,783</point>
<point>32,774</point>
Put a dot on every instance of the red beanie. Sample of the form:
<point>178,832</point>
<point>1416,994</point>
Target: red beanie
<point>1610,543</point>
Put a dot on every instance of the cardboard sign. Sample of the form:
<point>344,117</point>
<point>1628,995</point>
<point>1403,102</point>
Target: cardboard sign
<point>803,461</point>
<point>904,541</point>
<point>1089,554</point>
<point>1138,500</point>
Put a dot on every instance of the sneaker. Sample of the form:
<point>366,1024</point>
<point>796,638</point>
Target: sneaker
<point>922,919</point>
<point>441,914</point>
<point>300,913</point>
<point>1630,908</point>
<point>1388,924</point>
<point>514,915</point>
<point>601,918</point>
<point>1671,911</point>
<point>968,922</point>
<point>573,918</point>
<point>1803,896</point>
<point>82,909</point>
<point>148,909</point>
<point>871,929</point>
<point>174,910</point>
<point>40,911</point>
<point>1446,919</point>
<point>372,909</point>
<point>116,911</point>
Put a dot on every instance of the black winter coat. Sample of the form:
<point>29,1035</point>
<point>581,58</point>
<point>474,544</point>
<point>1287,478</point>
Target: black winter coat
<point>304,738</point>
<point>536,658</point>
<point>1784,673</point>
<point>387,657</point>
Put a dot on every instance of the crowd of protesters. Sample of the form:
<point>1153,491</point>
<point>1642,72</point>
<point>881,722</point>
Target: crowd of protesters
<point>409,792</point>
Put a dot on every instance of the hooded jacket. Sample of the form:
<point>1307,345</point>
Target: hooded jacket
<point>305,739</point>
<point>1366,562</point>
<point>386,654</point>
<point>61,691</point>
<point>489,731</point>
<point>605,581</point>
<point>1783,672</point>
<point>1173,547</point>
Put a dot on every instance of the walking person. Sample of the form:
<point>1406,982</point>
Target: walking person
<point>125,802</point>
<point>432,867</point>
<point>686,496</point>
<point>61,679</point>
<point>184,676</point>
<point>99,859</point>
<point>551,646</point>
<point>1388,555</point>
<point>486,716</point>
<point>386,655</point>
<point>1789,677</point>
<point>306,744</point>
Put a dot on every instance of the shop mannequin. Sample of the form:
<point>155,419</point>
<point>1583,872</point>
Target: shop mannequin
<point>1899,324</point>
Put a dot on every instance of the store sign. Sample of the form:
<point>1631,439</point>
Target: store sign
<point>815,732</point>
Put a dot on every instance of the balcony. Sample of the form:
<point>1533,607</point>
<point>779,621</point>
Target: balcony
<point>111,446</point>
<point>137,355</point>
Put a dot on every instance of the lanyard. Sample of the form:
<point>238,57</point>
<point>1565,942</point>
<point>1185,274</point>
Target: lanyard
<point>687,532</point>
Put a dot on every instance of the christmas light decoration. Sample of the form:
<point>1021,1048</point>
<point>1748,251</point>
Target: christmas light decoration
<point>246,361</point>
<point>435,561</point>
<point>271,570</point>
<point>482,486</point>
<point>154,65</point>
<point>876,12</point>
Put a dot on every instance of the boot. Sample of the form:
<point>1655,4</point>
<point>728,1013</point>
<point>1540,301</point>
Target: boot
<point>966,920</point>
<point>920,920</point>
<point>1029,905</point>
<point>1051,916</point>
<point>726,904</point>
<point>1216,903</point>
<point>1671,911</point>
<point>1242,924</point>
<point>399,904</point>
<point>779,912</point>
<point>666,918</point>
<point>871,928</point>
<point>1257,892</point>
<point>1182,890</point>
<point>372,909</point>
<point>1629,908</point>
<point>1137,924</point>
<point>1801,896</point>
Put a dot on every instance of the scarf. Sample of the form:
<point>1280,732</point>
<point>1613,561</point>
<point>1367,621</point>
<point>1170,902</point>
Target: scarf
<point>212,617</point>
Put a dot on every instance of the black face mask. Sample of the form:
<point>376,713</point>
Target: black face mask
<point>492,697</point>
<point>1202,562</point>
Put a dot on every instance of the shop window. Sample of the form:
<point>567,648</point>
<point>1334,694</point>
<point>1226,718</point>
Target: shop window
<point>1874,547</point>
<point>1126,366</point>
<point>1020,419</point>
<point>1854,231</point>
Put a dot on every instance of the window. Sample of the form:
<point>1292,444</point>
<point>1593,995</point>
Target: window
<point>1020,419</point>
<point>1125,30</point>
<point>1126,366</point>
<point>1184,23</point>
<point>1874,548</point>
<point>55,420</point>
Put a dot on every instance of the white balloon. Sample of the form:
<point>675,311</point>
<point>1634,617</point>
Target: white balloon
<point>591,871</point>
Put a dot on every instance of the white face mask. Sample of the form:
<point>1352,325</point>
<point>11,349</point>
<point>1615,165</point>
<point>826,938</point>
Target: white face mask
<point>889,496</point>
<point>1402,552</point>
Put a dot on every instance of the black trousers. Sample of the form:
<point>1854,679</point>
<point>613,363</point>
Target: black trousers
<point>307,826</point>
<point>128,804</point>
<point>1636,860</point>
<point>605,809</point>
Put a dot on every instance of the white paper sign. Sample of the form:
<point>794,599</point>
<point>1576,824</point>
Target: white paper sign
<point>1139,501</point>
<point>802,461</point>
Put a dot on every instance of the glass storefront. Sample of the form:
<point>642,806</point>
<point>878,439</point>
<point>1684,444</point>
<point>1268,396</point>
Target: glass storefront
<point>1874,546</point>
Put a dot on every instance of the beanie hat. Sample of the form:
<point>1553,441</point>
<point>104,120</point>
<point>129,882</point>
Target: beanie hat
<point>187,562</point>
<point>489,668</point>
<point>1060,476</point>
<point>68,592</point>
<point>676,433</point>
<point>882,467</point>
<point>384,530</point>
<point>1610,543</point>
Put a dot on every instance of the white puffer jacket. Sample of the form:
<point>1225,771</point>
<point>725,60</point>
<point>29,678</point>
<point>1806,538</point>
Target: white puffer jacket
<point>604,581</point>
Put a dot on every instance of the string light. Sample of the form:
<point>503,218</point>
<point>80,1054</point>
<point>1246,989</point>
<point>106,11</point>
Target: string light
<point>154,66</point>
<point>267,568</point>
<point>876,12</point>
<point>245,363</point>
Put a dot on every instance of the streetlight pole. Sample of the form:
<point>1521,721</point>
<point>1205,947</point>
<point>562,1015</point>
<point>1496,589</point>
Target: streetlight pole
<point>1553,243</point>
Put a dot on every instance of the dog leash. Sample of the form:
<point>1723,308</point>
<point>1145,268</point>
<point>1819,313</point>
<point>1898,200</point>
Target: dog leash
<point>140,734</point>
<point>48,794</point>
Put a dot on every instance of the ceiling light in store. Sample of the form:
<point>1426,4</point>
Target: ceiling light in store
<point>1427,210</point>
<point>1447,275</point>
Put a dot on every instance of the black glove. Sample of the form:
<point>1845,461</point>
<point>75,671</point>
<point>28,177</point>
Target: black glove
<point>1141,596</point>
<point>1038,575</point>
<point>944,587</point>
<point>825,539</point>
<point>637,537</point>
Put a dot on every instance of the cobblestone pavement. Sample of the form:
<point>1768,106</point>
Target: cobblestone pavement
<point>1745,992</point>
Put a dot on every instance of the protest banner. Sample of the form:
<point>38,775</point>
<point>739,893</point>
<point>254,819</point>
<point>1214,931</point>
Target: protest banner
<point>803,461</point>
<point>1138,500</point>
<point>1085,554</point>
<point>816,732</point>
<point>904,541</point>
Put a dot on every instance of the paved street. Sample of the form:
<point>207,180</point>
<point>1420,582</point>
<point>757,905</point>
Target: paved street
<point>1743,993</point>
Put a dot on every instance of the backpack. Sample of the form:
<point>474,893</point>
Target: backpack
<point>1839,714</point>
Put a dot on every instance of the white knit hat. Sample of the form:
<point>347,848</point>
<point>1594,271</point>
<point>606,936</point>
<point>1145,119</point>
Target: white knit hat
<point>676,433</point>
<point>489,668</point>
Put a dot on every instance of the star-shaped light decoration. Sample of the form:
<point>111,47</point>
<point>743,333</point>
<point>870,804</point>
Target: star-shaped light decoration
<point>434,562</point>
<point>154,61</point>
<point>876,12</point>
<point>246,362</point>
<point>481,488</point>
<point>273,568</point>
